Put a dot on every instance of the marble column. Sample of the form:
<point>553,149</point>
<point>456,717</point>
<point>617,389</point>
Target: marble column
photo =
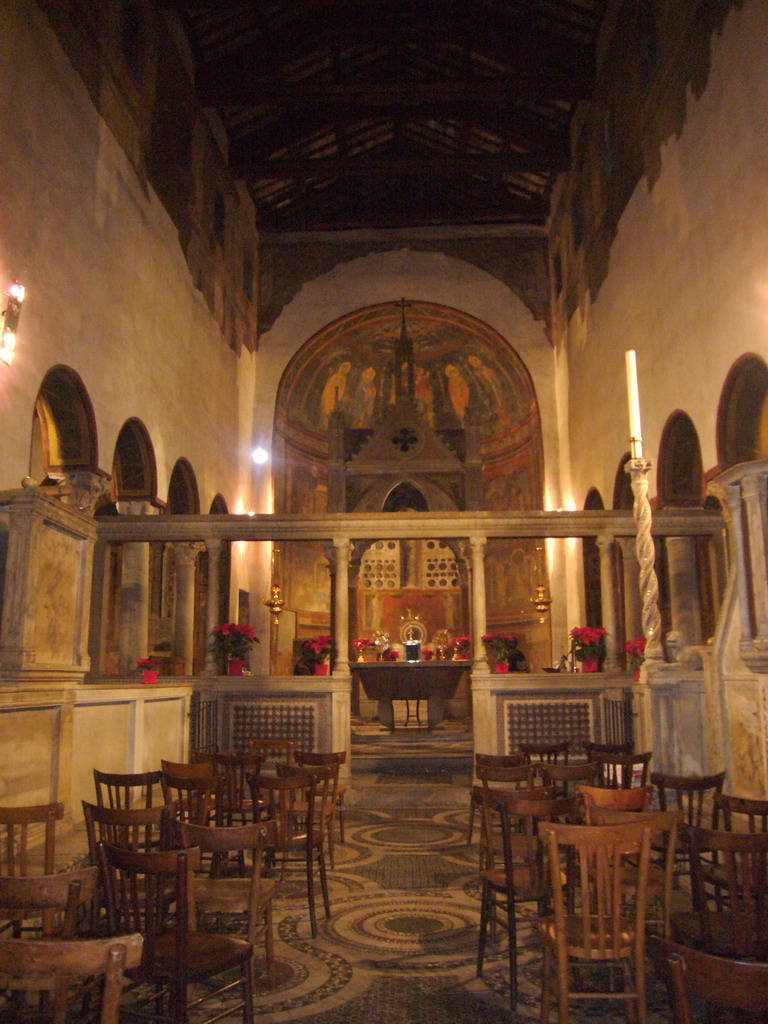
<point>479,613</point>
<point>133,628</point>
<point>342,547</point>
<point>733,504</point>
<point>633,625</point>
<point>608,601</point>
<point>184,622</point>
<point>753,489</point>
<point>684,588</point>
<point>212,613</point>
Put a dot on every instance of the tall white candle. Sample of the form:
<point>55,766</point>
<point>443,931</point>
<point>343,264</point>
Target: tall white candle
<point>633,396</point>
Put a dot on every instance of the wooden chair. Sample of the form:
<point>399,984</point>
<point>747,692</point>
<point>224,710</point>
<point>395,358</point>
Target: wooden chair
<point>665,826</point>
<point>134,828</point>
<point>196,799</point>
<point>309,758</point>
<point>546,753</point>
<point>599,930</point>
<point>623,771</point>
<point>127,789</point>
<point>503,779</point>
<point>729,885</point>
<point>739,814</point>
<point>594,797</point>
<point>139,888</point>
<point>234,768</point>
<point>204,769</point>
<point>57,905</point>
<point>720,981</point>
<point>592,749</point>
<point>56,966</point>
<point>15,824</point>
<point>695,796</point>
<point>565,777</point>
<point>273,752</point>
<point>251,896</point>
<point>294,803</point>
<point>488,761</point>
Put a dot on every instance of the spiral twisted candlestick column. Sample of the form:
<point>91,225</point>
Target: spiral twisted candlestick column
<point>646,557</point>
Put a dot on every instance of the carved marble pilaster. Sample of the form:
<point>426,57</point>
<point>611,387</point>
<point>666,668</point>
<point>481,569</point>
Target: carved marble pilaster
<point>134,594</point>
<point>183,627</point>
<point>631,571</point>
<point>212,616</point>
<point>479,617</point>
<point>85,490</point>
<point>684,589</point>
<point>754,490</point>
<point>342,547</point>
<point>605,549</point>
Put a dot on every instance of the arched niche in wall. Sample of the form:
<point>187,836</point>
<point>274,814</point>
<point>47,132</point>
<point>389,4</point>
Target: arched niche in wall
<point>679,475</point>
<point>623,498</point>
<point>134,472</point>
<point>742,414</point>
<point>63,426</point>
<point>183,496</point>
<point>593,602</point>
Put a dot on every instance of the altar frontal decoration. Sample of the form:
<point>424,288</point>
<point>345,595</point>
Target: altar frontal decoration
<point>588,646</point>
<point>231,643</point>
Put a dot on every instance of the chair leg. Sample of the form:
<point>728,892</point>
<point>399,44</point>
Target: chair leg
<point>248,992</point>
<point>340,810</point>
<point>512,937</point>
<point>482,938</point>
<point>332,840</point>
<point>269,946</point>
<point>324,884</point>
<point>311,894</point>
<point>546,991</point>
<point>470,827</point>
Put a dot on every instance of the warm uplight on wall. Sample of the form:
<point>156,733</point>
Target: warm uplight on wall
<point>10,316</point>
<point>260,456</point>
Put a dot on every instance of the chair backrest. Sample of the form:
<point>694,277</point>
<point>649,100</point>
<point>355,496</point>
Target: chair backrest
<point>691,793</point>
<point>734,918</point>
<point>565,776</point>
<point>126,789</point>
<point>521,776</point>
<point>274,751</point>
<point>740,814</point>
<point>495,820</point>
<point>56,965</point>
<point>58,898</point>
<point>318,759</point>
<point>292,801</point>
<point>722,981</point>
<point>235,767</point>
<point>15,825</point>
<point>601,887</point>
<point>225,839</point>
<point>637,799</point>
<point>189,769</point>
<point>592,749</point>
<point>499,760</point>
<point>550,753</point>
<point>195,799</point>
<point>623,771</point>
<point>131,828</point>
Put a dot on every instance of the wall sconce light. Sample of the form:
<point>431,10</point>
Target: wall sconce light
<point>10,316</point>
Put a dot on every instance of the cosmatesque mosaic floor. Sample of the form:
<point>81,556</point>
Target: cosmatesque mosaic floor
<point>401,943</point>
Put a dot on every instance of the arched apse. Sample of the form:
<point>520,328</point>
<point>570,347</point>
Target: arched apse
<point>64,426</point>
<point>680,468</point>
<point>593,602</point>
<point>134,471</point>
<point>183,495</point>
<point>742,414</point>
<point>460,364</point>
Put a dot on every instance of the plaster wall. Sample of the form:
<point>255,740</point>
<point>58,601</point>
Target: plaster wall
<point>109,293</point>
<point>687,284</point>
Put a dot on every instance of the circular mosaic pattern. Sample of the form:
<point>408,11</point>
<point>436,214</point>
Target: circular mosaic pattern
<point>409,837</point>
<point>413,926</point>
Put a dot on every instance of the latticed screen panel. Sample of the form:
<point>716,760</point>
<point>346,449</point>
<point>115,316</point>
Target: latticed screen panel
<point>548,721</point>
<point>438,568</point>
<point>380,566</point>
<point>271,720</point>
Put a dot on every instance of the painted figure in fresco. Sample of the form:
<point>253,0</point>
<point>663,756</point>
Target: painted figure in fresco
<point>488,377</point>
<point>368,393</point>
<point>423,394</point>
<point>458,391</point>
<point>333,392</point>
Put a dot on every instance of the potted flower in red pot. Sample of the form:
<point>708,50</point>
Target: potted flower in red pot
<point>635,651</point>
<point>231,643</point>
<point>316,651</point>
<point>461,646</point>
<point>148,669</point>
<point>502,645</point>
<point>588,645</point>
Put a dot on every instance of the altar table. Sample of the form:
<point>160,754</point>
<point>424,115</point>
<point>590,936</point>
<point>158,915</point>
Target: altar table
<point>433,681</point>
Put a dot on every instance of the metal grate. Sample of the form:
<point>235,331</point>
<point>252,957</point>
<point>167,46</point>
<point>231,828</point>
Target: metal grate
<point>619,720</point>
<point>203,724</point>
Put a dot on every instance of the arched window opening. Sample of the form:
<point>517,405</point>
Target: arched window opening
<point>133,470</point>
<point>64,426</point>
<point>680,472</point>
<point>742,415</point>
<point>593,603</point>
<point>405,498</point>
<point>183,497</point>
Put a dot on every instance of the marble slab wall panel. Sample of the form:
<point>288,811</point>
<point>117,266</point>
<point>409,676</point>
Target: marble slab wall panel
<point>101,738</point>
<point>165,732</point>
<point>58,597</point>
<point>29,755</point>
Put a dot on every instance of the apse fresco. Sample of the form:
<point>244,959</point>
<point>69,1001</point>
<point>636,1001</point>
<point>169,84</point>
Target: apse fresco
<point>461,365</point>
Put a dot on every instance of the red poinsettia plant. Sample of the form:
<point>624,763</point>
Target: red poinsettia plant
<point>233,640</point>
<point>588,643</point>
<point>146,663</point>
<point>317,649</point>
<point>635,651</point>
<point>502,644</point>
<point>390,654</point>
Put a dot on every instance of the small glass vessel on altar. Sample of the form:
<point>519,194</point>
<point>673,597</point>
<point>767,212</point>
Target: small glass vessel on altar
<point>381,642</point>
<point>443,643</point>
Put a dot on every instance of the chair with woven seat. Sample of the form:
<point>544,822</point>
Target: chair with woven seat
<point>139,890</point>
<point>565,777</point>
<point>15,824</point>
<point>250,896</point>
<point>623,771</point>
<point>729,887</point>
<point>596,797</point>
<point>599,930</point>
<point>488,761</point>
<point>720,981</point>
<point>55,966</point>
<point>310,758</point>
<point>293,802</point>
<point>518,874</point>
<point>127,789</point>
<point>545,753</point>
